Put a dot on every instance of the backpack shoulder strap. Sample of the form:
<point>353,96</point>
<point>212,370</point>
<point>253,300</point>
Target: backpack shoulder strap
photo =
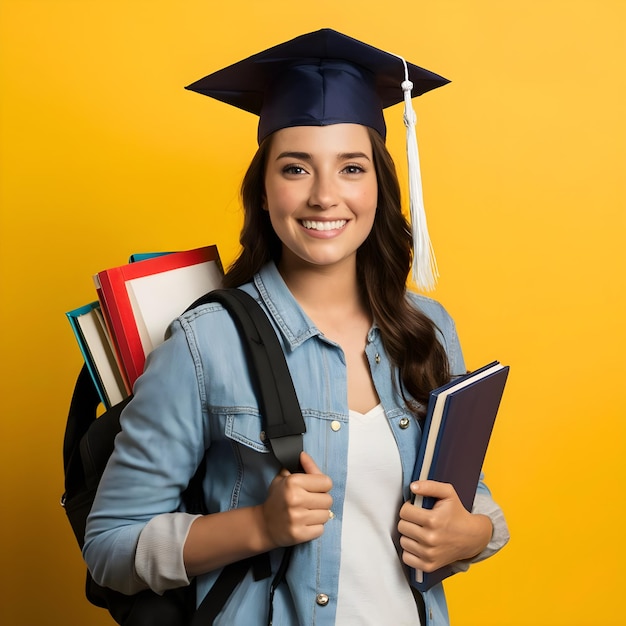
<point>283,423</point>
<point>270,374</point>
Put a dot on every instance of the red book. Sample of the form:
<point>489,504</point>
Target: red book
<point>139,300</point>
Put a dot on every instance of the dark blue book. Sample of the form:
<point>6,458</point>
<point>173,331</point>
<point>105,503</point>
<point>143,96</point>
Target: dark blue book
<point>457,430</point>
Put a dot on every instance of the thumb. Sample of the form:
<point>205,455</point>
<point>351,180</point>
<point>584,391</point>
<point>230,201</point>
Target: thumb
<point>308,464</point>
<point>433,489</point>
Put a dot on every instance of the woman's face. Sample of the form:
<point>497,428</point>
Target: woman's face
<point>321,192</point>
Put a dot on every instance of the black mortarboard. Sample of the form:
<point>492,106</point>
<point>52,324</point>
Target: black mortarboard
<point>325,78</point>
<point>317,79</point>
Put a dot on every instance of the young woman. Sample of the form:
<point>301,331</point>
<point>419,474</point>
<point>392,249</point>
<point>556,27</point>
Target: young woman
<point>326,250</point>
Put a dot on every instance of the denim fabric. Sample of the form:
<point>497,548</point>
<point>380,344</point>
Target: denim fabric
<point>195,395</point>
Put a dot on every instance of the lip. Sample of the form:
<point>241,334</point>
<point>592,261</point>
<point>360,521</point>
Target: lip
<point>323,229</point>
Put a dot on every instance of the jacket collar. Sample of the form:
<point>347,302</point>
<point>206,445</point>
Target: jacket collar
<point>292,321</point>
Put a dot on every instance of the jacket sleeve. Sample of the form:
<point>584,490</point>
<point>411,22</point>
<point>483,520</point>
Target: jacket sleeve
<point>484,504</point>
<point>159,558</point>
<point>163,438</point>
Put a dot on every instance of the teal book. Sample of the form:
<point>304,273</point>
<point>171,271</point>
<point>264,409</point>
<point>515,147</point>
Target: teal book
<point>144,256</point>
<point>95,345</point>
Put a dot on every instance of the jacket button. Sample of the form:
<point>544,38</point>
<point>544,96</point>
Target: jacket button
<point>404,423</point>
<point>322,599</point>
<point>335,425</point>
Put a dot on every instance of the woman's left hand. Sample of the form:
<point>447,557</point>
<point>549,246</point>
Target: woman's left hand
<point>432,538</point>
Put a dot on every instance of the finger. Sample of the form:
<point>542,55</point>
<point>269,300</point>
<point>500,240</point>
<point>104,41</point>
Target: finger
<point>433,489</point>
<point>303,523</point>
<point>320,501</point>
<point>415,515</point>
<point>408,512</point>
<point>308,464</point>
<point>414,558</point>
<point>317,516</point>
<point>313,479</point>
<point>305,486</point>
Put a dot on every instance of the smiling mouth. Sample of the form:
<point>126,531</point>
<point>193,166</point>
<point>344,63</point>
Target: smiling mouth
<point>334,225</point>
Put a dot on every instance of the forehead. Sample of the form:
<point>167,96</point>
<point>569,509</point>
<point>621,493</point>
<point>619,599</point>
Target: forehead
<point>323,140</point>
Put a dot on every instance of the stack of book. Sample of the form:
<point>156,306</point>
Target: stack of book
<point>135,304</point>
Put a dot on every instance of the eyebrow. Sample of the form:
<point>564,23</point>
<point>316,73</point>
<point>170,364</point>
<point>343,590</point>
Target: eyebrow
<point>305,156</point>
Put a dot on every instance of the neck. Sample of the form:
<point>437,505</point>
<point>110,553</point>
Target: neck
<point>330,296</point>
<point>324,291</point>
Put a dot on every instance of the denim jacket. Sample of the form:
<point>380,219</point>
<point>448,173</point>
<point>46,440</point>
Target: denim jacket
<point>195,397</point>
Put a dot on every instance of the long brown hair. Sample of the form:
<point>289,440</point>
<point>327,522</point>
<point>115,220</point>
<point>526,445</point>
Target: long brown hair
<point>383,264</point>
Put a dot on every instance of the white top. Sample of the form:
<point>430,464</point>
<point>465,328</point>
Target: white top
<point>373,588</point>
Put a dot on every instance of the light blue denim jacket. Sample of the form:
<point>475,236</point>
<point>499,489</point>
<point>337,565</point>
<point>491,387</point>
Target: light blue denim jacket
<point>195,395</point>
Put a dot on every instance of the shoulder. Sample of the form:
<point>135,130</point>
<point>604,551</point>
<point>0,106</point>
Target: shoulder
<point>446,328</point>
<point>431,308</point>
<point>209,325</point>
<point>206,313</point>
<point>209,317</point>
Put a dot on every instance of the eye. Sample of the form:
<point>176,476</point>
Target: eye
<point>353,168</point>
<point>294,170</point>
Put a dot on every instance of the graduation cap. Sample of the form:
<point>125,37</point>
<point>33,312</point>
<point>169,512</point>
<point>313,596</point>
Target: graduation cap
<point>325,78</point>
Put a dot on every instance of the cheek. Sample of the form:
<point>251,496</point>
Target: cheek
<point>279,197</point>
<point>369,189</point>
<point>367,199</point>
<point>281,205</point>
<point>276,195</point>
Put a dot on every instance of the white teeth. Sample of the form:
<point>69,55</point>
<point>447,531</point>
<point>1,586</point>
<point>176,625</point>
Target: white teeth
<point>324,225</point>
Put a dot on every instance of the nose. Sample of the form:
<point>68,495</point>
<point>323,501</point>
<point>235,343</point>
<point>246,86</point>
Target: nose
<point>324,191</point>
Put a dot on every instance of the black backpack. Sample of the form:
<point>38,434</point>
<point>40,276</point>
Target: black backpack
<point>89,442</point>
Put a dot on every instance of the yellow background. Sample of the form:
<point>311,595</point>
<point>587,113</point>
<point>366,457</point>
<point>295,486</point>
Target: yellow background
<point>104,154</point>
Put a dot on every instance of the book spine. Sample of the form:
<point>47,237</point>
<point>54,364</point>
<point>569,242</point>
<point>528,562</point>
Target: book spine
<point>82,344</point>
<point>113,327</point>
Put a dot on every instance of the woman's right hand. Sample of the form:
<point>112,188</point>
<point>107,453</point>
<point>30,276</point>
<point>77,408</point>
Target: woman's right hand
<point>298,505</point>
<point>295,511</point>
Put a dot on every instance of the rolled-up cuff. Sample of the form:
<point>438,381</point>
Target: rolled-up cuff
<point>485,505</point>
<point>159,556</point>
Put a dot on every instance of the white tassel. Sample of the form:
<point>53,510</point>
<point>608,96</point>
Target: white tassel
<point>425,271</point>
